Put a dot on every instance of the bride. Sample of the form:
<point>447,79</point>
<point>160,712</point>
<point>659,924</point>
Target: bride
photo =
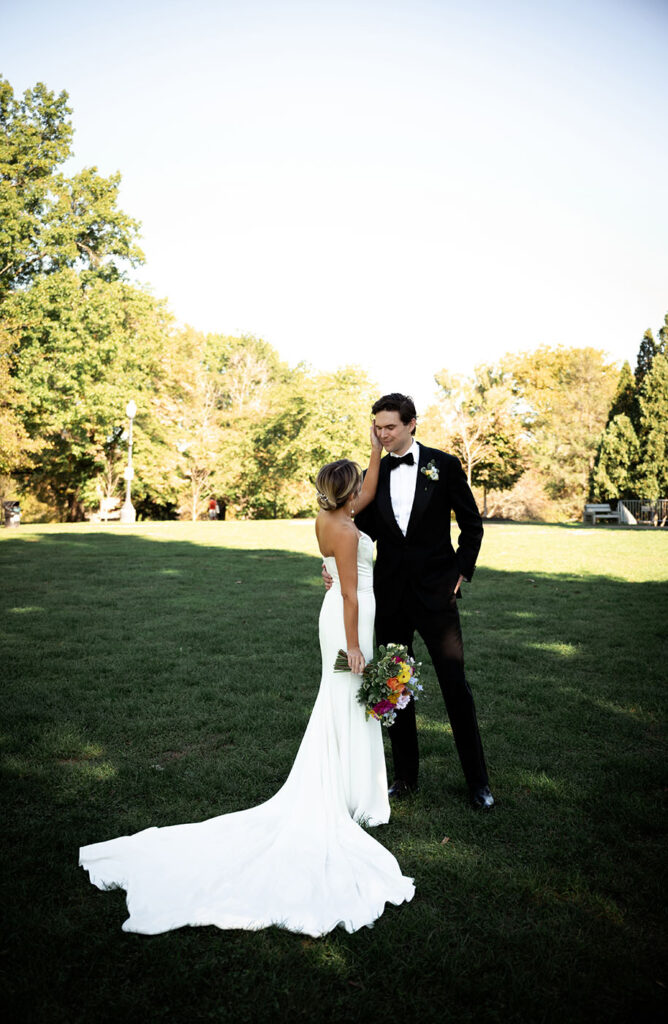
<point>301,860</point>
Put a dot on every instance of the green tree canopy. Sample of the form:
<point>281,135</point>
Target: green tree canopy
<point>47,220</point>
<point>16,447</point>
<point>615,472</point>
<point>646,352</point>
<point>624,399</point>
<point>79,354</point>
<point>649,348</point>
<point>631,460</point>
<point>315,419</point>
<point>565,394</point>
<point>652,474</point>
<point>481,426</point>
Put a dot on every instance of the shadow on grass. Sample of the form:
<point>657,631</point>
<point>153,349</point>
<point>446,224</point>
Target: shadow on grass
<point>122,653</point>
<point>151,683</point>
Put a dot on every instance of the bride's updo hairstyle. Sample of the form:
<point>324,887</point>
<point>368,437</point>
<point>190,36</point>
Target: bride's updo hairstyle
<point>336,482</point>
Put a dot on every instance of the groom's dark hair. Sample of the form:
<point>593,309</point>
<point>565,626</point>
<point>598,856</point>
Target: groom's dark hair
<point>396,402</point>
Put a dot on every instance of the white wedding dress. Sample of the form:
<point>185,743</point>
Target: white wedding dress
<point>300,860</point>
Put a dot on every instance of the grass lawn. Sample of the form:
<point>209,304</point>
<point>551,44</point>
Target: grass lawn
<point>165,673</point>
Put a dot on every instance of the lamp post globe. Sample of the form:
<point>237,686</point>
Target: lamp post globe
<point>128,514</point>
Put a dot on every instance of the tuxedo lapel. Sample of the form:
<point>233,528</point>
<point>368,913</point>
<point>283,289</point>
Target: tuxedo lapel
<point>383,498</point>
<point>424,488</point>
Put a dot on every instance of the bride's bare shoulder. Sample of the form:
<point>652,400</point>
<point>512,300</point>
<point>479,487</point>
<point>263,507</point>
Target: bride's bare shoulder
<point>335,535</point>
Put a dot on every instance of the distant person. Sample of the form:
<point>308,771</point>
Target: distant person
<point>302,859</point>
<point>213,508</point>
<point>417,580</point>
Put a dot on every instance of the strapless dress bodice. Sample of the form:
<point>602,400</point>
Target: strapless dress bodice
<point>364,565</point>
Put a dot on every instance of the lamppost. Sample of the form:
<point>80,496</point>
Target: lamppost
<point>128,514</point>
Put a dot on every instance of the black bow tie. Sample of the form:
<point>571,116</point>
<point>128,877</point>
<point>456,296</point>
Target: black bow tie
<point>402,460</point>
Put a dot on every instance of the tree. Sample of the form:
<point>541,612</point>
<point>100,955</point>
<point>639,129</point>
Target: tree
<point>318,417</point>
<point>652,472</point>
<point>614,474</point>
<point>16,447</point>
<point>631,453</point>
<point>35,137</point>
<point>198,413</point>
<point>112,462</point>
<point>76,340</point>
<point>249,376</point>
<point>78,354</point>
<point>663,337</point>
<point>48,221</point>
<point>646,352</point>
<point>481,426</point>
<point>565,396</point>
<point>624,399</point>
<point>649,348</point>
<point>218,389</point>
<point>248,367</point>
<point>504,464</point>
<point>464,427</point>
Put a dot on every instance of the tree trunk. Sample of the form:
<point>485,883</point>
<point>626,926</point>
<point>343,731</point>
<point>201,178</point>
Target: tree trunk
<point>75,512</point>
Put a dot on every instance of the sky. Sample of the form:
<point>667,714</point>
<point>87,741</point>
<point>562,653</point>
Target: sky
<point>407,186</point>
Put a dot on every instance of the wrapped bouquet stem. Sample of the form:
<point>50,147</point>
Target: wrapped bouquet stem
<point>388,681</point>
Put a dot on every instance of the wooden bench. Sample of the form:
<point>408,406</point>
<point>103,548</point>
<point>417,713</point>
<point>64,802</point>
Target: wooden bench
<point>595,512</point>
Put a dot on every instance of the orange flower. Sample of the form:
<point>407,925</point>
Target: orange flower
<point>394,684</point>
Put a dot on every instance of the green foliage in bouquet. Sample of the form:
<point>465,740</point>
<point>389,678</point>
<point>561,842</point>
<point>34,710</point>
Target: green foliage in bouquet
<point>388,681</point>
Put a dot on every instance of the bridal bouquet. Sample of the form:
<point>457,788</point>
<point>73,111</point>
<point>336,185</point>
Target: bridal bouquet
<point>388,682</point>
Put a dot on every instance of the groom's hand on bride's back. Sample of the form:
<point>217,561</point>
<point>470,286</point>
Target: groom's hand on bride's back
<point>326,577</point>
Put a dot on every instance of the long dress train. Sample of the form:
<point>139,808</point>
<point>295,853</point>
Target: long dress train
<point>300,860</point>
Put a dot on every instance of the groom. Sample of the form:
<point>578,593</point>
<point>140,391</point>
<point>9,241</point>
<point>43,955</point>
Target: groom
<point>417,579</point>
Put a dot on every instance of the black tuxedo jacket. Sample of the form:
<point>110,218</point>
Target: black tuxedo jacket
<point>423,562</point>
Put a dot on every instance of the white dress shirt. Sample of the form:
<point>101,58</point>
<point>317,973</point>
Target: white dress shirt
<point>403,481</point>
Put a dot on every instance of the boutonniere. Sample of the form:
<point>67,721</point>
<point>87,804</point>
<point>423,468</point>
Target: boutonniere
<point>431,470</point>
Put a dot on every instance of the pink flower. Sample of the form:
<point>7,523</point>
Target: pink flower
<point>383,707</point>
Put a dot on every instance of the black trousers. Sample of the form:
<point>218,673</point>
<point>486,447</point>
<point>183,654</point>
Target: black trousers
<point>442,635</point>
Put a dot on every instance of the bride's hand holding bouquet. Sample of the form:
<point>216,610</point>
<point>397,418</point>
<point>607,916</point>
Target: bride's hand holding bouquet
<point>388,681</point>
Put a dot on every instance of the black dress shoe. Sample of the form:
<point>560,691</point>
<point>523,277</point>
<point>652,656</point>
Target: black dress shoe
<point>400,789</point>
<point>482,799</point>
